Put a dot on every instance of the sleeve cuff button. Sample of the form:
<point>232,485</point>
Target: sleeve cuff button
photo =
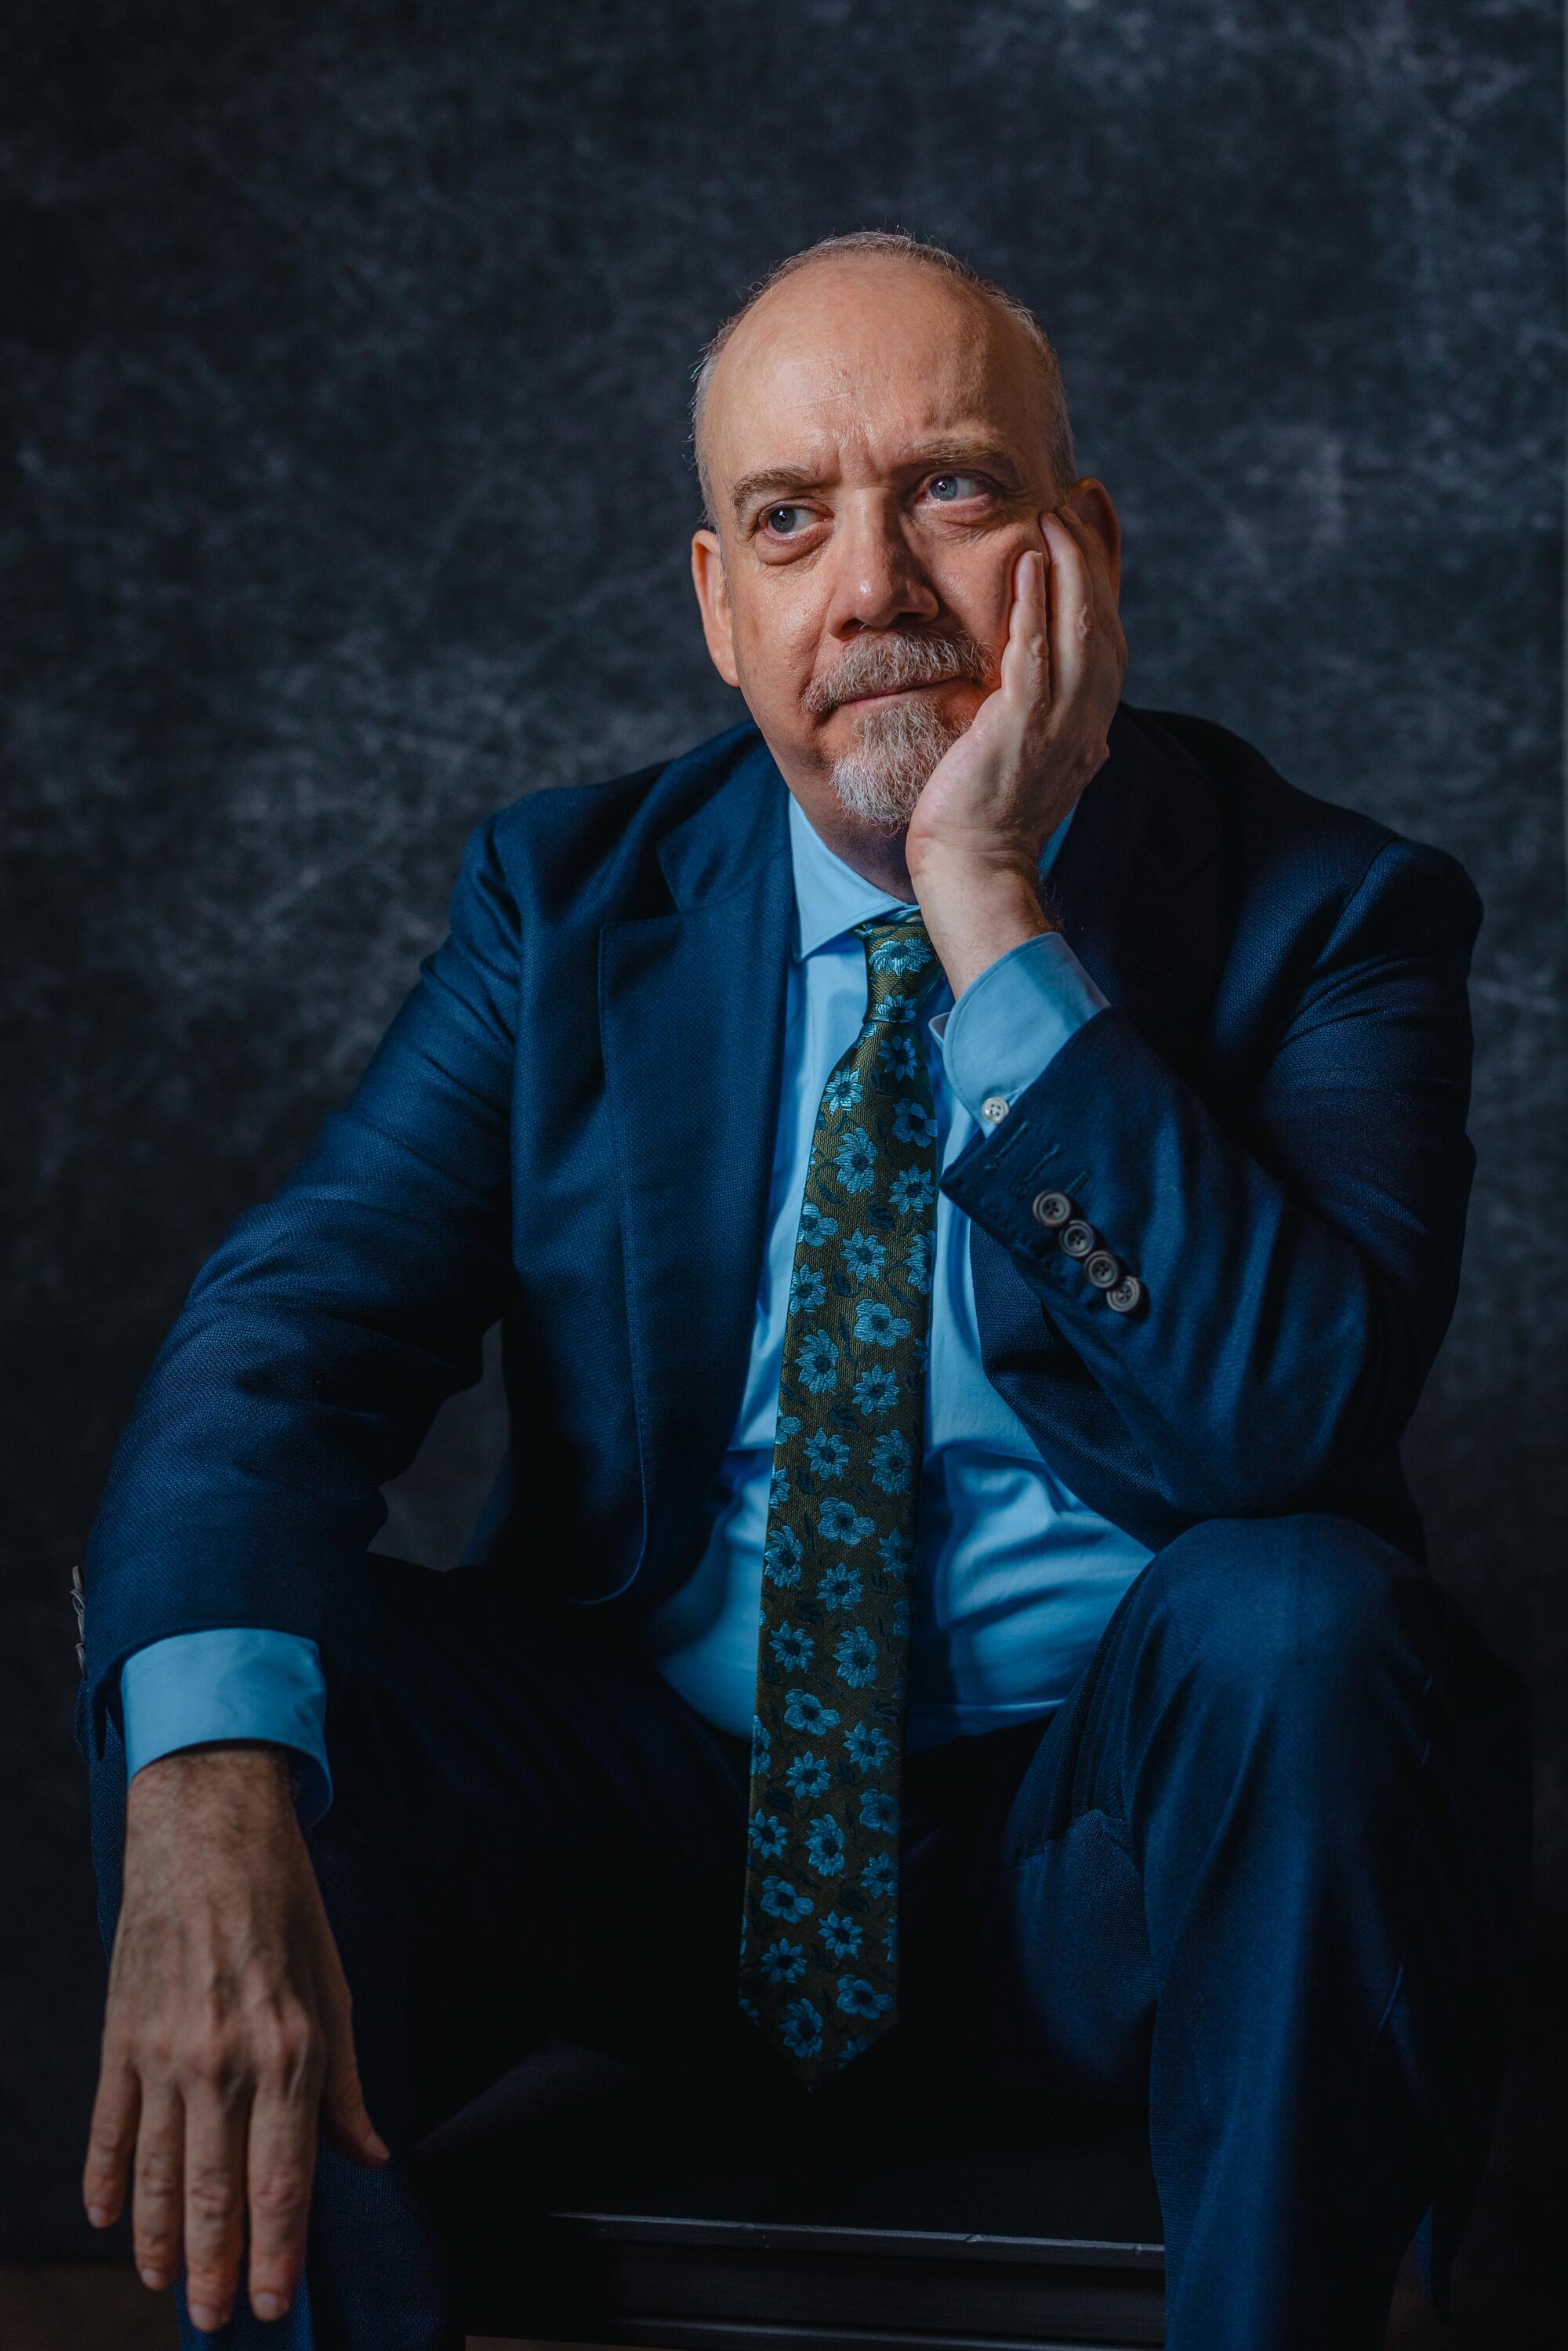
<point>1125,1294</point>
<point>1102,1270</point>
<point>1050,1210</point>
<point>1078,1239</point>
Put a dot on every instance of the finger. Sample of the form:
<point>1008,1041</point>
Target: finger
<point>346,2124</point>
<point>1101,588</point>
<point>1026,667</point>
<point>217,2109</point>
<point>155,2209</point>
<point>110,2140</point>
<point>280,2166</point>
<point>1072,622</point>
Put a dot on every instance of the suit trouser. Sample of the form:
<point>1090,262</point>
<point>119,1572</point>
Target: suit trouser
<point>1265,1868</point>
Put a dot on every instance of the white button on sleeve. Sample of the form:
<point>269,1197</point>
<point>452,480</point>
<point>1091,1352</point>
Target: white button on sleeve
<point>1008,1023</point>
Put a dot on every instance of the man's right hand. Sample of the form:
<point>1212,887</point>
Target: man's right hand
<point>228,2041</point>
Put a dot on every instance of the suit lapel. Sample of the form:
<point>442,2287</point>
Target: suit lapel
<point>1138,886</point>
<point>692,1005</point>
<point>692,1022</point>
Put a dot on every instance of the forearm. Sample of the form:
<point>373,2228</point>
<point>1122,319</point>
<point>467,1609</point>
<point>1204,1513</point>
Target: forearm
<point>323,1334</point>
<point>1270,1355</point>
<point>975,912</point>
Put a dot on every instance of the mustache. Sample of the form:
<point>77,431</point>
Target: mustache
<point>889,663</point>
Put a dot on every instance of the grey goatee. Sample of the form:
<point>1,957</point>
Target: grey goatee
<point>897,747</point>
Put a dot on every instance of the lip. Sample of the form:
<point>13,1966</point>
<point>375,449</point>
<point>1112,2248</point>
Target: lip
<point>894,694</point>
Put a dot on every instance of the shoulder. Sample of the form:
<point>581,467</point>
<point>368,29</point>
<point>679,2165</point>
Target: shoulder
<point>1328,862</point>
<point>594,847</point>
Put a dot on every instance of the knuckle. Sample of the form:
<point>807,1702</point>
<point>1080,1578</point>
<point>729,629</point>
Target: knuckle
<point>287,2048</point>
<point>211,2058</point>
<point>212,2196</point>
<point>120,2047</point>
<point>108,2144</point>
<point>279,2196</point>
<point>157,2175</point>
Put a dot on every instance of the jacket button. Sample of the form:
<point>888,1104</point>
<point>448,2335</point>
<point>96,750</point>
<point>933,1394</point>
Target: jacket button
<point>1102,1270</point>
<point>1125,1294</point>
<point>1051,1208</point>
<point>1078,1239</point>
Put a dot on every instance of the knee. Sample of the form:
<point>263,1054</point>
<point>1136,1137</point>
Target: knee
<point>1310,1606</point>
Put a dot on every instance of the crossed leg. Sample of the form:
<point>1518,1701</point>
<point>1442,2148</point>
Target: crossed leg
<point>1269,1864</point>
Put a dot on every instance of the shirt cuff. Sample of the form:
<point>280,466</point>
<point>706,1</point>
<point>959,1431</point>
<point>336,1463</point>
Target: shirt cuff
<point>239,1682</point>
<point>1008,1023</point>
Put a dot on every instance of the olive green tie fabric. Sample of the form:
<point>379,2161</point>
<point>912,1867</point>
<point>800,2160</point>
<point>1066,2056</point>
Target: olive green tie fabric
<point>819,1963</point>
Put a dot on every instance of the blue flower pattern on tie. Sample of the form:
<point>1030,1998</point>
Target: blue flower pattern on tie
<point>838,1549</point>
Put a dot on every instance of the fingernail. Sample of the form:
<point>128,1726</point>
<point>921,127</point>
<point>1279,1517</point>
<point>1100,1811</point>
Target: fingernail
<point>204,2316</point>
<point>99,2215</point>
<point>268,2306</point>
<point>155,2279</point>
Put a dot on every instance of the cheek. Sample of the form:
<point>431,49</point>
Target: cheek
<point>776,638</point>
<point>977,588</point>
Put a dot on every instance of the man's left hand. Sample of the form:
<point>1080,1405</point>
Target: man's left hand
<point>974,842</point>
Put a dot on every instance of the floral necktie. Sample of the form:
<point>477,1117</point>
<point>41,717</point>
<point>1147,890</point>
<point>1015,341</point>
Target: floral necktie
<point>819,1959</point>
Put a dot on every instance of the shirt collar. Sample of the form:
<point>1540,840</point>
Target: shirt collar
<point>830,896</point>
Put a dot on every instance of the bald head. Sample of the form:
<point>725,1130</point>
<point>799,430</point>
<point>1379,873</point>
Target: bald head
<point>842,307</point>
<point>882,434</point>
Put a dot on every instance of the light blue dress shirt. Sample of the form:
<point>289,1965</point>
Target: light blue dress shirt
<point>1016,1577</point>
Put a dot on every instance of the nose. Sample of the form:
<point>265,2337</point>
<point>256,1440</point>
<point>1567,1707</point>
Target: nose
<point>878,581</point>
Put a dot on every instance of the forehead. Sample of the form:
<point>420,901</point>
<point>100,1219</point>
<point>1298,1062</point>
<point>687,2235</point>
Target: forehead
<point>849,362</point>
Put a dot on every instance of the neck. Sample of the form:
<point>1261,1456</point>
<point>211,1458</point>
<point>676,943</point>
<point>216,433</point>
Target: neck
<point>878,857</point>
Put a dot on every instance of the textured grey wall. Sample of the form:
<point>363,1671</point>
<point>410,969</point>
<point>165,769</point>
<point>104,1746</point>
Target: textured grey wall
<point>348,499</point>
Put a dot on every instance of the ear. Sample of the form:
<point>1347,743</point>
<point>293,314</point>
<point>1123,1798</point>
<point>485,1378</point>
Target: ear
<point>1090,501</point>
<point>713,596</point>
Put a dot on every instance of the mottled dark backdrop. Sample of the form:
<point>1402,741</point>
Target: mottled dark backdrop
<point>348,498</point>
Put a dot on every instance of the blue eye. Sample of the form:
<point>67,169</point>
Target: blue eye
<point>945,488</point>
<point>771,520</point>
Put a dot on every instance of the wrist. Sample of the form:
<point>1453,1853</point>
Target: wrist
<point>974,913</point>
<point>227,1769</point>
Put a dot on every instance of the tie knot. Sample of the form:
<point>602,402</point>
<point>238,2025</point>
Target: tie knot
<point>900,960</point>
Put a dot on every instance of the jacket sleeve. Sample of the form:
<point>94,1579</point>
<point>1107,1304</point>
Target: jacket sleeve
<point>323,1334</point>
<point>1293,1259</point>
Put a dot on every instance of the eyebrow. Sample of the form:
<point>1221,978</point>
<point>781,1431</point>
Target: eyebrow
<point>772,480</point>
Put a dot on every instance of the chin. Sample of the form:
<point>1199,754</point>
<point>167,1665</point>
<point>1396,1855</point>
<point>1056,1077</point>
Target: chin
<point>895,750</point>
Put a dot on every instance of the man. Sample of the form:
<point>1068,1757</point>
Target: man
<point>972,1175</point>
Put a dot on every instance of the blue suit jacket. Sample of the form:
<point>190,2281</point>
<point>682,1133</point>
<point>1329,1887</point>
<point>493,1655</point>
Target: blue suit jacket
<point>569,1126</point>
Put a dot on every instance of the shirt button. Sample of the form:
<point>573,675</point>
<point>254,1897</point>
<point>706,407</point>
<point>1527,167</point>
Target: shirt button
<point>1050,1210</point>
<point>1102,1270</point>
<point>1125,1294</point>
<point>1078,1239</point>
<point>995,1107</point>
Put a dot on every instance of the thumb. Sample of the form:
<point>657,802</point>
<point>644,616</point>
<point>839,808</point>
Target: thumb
<point>346,2124</point>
